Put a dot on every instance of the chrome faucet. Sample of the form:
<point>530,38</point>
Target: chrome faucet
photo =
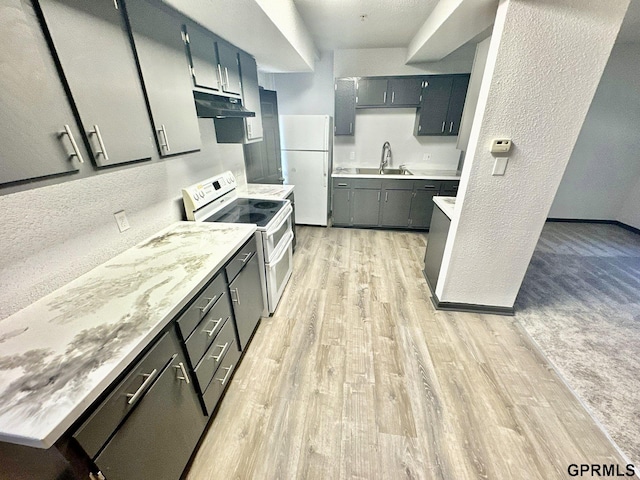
<point>386,156</point>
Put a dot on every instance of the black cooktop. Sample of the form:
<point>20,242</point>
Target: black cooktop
<point>248,210</point>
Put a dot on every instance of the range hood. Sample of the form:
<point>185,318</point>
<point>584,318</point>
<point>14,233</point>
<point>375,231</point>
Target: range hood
<point>212,106</point>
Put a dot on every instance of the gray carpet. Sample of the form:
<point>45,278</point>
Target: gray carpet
<point>580,301</point>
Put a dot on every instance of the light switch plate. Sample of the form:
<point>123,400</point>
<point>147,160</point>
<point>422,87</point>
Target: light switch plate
<point>122,221</point>
<point>500,166</point>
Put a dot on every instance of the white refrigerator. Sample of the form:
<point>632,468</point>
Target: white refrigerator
<point>306,142</point>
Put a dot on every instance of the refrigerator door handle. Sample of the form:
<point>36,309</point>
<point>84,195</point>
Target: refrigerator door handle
<point>325,167</point>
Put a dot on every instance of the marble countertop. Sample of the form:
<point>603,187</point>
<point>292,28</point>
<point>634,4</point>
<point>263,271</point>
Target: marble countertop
<point>60,353</point>
<point>266,191</point>
<point>446,204</point>
<point>418,174</point>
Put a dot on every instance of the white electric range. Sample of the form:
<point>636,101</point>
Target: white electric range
<point>216,200</point>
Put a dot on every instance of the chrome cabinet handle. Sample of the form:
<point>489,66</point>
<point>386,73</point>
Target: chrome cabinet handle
<point>226,74</point>
<point>184,377</point>
<point>393,96</point>
<point>350,127</point>
<point>237,299</point>
<point>450,127</point>
<point>133,397</point>
<point>228,369</point>
<point>74,145</point>
<point>215,327</point>
<point>221,77</point>
<point>386,196</point>
<point>163,130</point>
<point>222,352</point>
<point>378,196</point>
<point>443,124</point>
<point>343,184</point>
<point>384,97</point>
<point>208,306</point>
<point>246,257</point>
<point>103,150</point>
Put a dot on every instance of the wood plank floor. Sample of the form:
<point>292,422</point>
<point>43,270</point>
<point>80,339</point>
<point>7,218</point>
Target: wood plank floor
<point>357,376</point>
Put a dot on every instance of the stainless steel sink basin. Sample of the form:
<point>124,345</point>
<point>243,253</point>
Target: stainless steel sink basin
<point>386,171</point>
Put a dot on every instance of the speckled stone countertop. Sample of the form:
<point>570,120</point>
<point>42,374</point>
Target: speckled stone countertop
<point>266,191</point>
<point>60,353</point>
<point>446,204</point>
<point>418,174</point>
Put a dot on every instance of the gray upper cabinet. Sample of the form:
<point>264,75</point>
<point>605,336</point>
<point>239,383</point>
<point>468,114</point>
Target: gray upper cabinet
<point>93,46</point>
<point>456,103</point>
<point>159,46</point>
<point>405,91</point>
<point>443,99</point>
<point>251,96</point>
<point>229,69</point>
<point>371,92</point>
<point>34,109</point>
<point>345,106</point>
<point>202,55</point>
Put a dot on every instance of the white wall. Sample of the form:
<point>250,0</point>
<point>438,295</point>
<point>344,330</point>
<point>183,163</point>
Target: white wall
<point>55,233</point>
<point>544,65</point>
<point>307,93</point>
<point>629,212</point>
<point>604,168</point>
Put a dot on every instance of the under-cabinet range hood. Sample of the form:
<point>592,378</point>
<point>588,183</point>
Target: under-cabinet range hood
<point>211,106</point>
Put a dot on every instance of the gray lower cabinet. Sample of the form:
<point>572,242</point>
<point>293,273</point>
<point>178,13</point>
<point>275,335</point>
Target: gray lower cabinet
<point>38,132</point>
<point>92,43</point>
<point>246,293</point>
<point>159,47</point>
<point>438,232</point>
<point>365,210</point>
<point>162,419</point>
<point>395,208</point>
<point>422,207</point>
<point>341,207</point>
<point>292,199</point>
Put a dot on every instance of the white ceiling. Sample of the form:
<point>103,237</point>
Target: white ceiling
<point>337,24</point>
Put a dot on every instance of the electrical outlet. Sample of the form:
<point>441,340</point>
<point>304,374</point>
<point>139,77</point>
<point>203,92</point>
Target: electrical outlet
<point>426,157</point>
<point>122,221</point>
<point>352,155</point>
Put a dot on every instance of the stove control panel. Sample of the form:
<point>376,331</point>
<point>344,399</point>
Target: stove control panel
<point>203,193</point>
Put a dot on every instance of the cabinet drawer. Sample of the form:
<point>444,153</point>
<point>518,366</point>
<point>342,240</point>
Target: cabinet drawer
<point>449,188</point>
<point>372,183</point>
<point>223,344</point>
<point>397,184</point>
<point>201,306</point>
<point>93,434</point>
<point>208,328</point>
<point>426,185</point>
<point>342,182</point>
<point>242,257</point>
<point>221,378</point>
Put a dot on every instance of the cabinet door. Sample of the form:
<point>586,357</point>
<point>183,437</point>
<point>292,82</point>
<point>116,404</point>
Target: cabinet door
<point>33,105</point>
<point>246,295</point>
<point>202,54</point>
<point>456,103</point>
<point>157,439</point>
<point>365,207</point>
<point>422,207</point>
<point>159,45</point>
<point>341,209</point>
<point>405,92</point>
<point>251,95</point>
<point>396,206</point>
<point>371,92</point>
<point>345,106</point>
<point>93,46</point>
<point>228,61</point>
<point>271,137</point>
<point>432,115</point>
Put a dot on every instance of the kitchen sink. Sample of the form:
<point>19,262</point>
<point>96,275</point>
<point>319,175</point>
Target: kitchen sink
<point>386,171</point>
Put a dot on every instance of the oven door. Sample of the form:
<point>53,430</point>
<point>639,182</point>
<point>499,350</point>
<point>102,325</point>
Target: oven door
<point>275,237</point>
<point>278,271</point>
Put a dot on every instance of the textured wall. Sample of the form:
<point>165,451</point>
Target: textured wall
<point>604,166</point>
<point>545,62</point>
<point>55,233</point>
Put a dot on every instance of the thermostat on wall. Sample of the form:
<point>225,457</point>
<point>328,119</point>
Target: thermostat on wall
<point>501,145</point>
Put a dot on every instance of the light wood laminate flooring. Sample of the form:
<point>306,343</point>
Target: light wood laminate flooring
<point>357,376</point>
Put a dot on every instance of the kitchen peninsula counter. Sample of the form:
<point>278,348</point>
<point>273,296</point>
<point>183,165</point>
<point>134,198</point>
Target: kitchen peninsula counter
<point>61,353</point>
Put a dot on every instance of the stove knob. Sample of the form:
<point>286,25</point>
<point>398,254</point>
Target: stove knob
<point>201,194</point>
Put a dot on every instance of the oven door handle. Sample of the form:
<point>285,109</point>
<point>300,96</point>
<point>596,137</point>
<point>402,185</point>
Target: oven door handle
<point>285,246</point>
<point>288,209</point>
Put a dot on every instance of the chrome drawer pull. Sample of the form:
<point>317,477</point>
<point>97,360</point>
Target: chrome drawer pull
<point>222,352</point>
<point>185,377</point>
<point>246,257</point>
<point>149,377</point>
<point>215,327</point>
<point>207,307</point>
<point>228,369</point>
